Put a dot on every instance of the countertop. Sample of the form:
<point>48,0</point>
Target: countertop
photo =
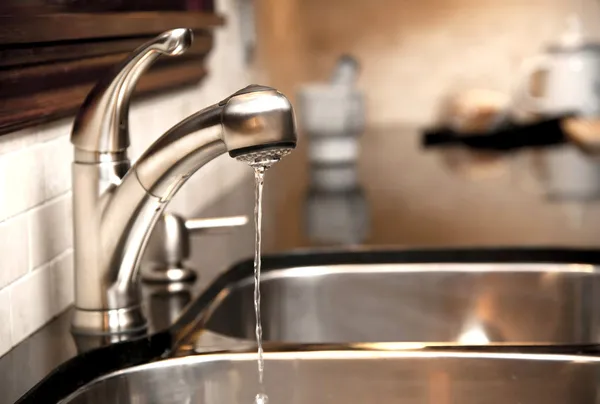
<point>395,195</point>
<point>413,197</point>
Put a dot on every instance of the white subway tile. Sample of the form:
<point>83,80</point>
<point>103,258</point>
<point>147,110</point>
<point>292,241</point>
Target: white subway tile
<point>57,159</point>
<point>21,181</point>
<point>14,249</point>
<point>63,281</point>
<point>6,340</point>
<point>50,230</point>
<point>31,303</point>
<point>142,132</point>
<point>170,109</point>
<point>17,140</point>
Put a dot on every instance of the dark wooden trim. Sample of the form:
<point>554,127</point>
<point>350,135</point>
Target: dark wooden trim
<point>80,26</point>
<point>27,54</point>
<point>14,7</point>
<point>26,111</point>
<point>47,76</point>
<point>49,62</point>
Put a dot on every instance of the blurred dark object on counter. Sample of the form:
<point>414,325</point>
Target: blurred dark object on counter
<point>473,111</point>
<point>565,170</point>
<point>582,131</point>
<point>508,137</point>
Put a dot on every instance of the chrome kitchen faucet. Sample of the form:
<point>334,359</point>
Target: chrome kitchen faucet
<point>116,205</point>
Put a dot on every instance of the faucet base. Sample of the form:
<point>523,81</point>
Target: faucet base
<point>130,320</point>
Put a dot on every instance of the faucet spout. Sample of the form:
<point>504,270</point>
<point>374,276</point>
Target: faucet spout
<point>117,205</point>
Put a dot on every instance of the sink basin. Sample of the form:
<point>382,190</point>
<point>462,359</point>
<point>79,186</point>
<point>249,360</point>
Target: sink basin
<point>354,298</point>
<point>353,377</point>
<point>366,326</point>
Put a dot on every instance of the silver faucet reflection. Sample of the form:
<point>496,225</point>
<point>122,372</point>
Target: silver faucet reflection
<point>116,205</point>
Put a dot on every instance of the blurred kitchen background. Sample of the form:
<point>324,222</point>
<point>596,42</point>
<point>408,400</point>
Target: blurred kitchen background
<point>414,59</point>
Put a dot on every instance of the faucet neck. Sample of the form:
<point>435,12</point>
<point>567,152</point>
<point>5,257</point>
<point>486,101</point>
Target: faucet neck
<point>115,209</point>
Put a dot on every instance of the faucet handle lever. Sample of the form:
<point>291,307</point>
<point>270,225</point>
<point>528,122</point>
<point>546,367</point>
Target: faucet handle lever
<point>215,223</point>
<point>101,126</point>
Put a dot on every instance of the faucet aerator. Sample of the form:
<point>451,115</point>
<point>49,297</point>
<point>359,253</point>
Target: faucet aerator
<point>264,158</point>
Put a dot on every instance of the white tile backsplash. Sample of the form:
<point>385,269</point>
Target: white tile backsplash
<point>63,281</point>
<point>5,328</point>
<point>57,158</point>
<point>14,250</point>
<point>50,230</point>
<point>31,302</point>
<point>21,181</point>
<point>36,241</point>
<point>18,140</point>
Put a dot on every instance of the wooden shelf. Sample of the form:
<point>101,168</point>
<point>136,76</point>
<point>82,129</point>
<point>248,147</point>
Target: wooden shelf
<point>49,62</point>
<point>81,26</point>
<point>22,112</point>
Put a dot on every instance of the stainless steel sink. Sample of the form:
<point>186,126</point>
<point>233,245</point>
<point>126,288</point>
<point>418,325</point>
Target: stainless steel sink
<point>358,327</point>
<point>348,377</point>
<point>435,303</point>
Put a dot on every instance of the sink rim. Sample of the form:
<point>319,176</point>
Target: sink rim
<point>428,267</point>
<point>335,353</point>
<point>308,352</point>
